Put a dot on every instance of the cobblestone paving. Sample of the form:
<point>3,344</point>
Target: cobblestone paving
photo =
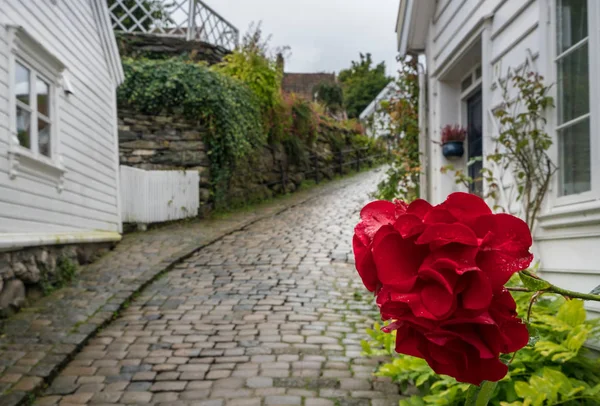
<point>265,316</point>
<point>38,341</point>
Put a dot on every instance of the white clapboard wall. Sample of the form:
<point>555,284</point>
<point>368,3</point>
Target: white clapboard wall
<point>158,196</point>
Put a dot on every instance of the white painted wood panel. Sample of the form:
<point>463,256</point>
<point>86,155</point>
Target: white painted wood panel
<point>88,200</point>
<point>569,251</point>
<point>158,196</point>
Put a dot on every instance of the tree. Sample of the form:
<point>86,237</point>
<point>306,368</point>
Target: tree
<point>362,83</point>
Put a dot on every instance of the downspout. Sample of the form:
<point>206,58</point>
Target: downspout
<point>424,143</point>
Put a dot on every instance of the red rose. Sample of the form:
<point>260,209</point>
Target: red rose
<point>439,273</point>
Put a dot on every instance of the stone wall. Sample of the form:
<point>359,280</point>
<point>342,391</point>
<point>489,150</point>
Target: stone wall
<point>29,273</point>
<point>164,143</point>
<point>137,45</point>
<point>172,143</point>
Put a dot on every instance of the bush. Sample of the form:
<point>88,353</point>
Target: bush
<point>554,369</point>
<point>330,95</point>
<point>230,109</point>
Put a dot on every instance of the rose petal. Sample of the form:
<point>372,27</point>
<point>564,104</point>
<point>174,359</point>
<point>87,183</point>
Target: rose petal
<point>508,233</point>
<point>477,292</point>
<point>374,216</point>
<point>439,235</point>
<point>419,208</point>
<point>407,341</point>
<point>397,259</point>
<point>466,207</point>
<point>364,264</point>
<point>439,215</point>
<point>401,207</point>
<point>504,248</point>
<point>500,266</point>
<point>409,225</point>
<point>437,300</point>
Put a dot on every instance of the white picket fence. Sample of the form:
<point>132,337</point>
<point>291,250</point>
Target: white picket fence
<point>157,196</point>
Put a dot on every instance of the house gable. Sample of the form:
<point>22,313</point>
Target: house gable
<point>109,42</point>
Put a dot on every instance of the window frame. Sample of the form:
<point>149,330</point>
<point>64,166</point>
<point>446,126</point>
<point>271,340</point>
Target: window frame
<point>593,42</point>
<point>33,110</point>
<point>28,52</point>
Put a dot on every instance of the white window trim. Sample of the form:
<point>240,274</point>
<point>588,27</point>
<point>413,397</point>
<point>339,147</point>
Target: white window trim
<point>575,203</point>
<point>25,50</point>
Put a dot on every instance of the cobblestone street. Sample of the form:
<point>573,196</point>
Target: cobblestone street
<point>265,316</point>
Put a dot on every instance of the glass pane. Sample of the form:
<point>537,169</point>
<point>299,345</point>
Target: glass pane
<point>43,96</point>
<point>575,169</point>
<point>44,137</point>
<point>24,127</point>
<point>22,83</point>
<point>573,85</point>
<point>571,21</point>
<point>468,81</point>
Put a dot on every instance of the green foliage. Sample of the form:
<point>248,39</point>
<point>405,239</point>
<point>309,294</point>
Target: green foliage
<point>251,65</point>
<point>330,95</point>
<point>522,146</point>
<point>554,369</point>
<point>523,143</point>
<point>65,272</point>
<point>227,107</point>
<point>403,176</point>
<point>362,82</point>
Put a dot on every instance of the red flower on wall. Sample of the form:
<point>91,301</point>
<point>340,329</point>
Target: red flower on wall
<point>439,274</point>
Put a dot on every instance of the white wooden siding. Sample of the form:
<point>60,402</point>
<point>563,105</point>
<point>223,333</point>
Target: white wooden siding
<point>568,252</point>
<point>158,196</point>
<point>87,138</point>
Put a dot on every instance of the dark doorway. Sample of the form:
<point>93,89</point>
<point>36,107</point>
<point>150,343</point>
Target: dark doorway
<point>475,141</point>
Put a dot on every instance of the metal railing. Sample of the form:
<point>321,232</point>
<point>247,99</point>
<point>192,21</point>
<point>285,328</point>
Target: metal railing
<point>189,19</point>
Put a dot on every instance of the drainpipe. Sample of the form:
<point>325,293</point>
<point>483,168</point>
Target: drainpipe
<point>424,142</point>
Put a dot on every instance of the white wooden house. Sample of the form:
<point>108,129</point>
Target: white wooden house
<point>59,70</point>
<point>375,118</point>
<point>468,45</point>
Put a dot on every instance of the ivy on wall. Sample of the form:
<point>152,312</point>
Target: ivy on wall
<point>227,107</point>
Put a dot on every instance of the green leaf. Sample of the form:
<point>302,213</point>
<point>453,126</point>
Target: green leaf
<point>533,284</point>
<point>572,312</point>
<point>480,395</point>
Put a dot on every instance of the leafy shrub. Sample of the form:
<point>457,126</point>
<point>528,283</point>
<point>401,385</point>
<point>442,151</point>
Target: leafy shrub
<point>403,175</point>
<point>304,120</point>
<point>554,369</point>
<point>229,108</point>
<point>330,95</point>
<point>258,72</point>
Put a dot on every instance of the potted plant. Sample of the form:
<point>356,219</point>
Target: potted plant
<point>453,137</point>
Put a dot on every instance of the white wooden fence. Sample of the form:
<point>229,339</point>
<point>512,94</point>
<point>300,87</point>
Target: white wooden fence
<point>157,196</point>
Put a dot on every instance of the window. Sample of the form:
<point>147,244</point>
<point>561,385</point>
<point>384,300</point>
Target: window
<point>34,81</point>
<point>573,97</point>
<point>33,108</point>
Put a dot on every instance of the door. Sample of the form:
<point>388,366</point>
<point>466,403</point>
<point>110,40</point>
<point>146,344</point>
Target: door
<point>475,141</point>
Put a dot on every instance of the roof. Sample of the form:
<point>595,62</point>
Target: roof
<point>108,40</point>
<point>385,94</point>
<point>304,83</point>
<point>412,24</point>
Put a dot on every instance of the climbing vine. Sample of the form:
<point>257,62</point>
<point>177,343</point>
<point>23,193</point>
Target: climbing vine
<point>228,108</point>
<point>521,147</point>
<point>403,128</point>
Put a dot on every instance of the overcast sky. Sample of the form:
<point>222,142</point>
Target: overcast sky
<point>324,35</point>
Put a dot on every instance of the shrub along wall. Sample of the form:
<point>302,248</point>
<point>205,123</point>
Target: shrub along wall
<point>166,142</point>
<point>175,114</point>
